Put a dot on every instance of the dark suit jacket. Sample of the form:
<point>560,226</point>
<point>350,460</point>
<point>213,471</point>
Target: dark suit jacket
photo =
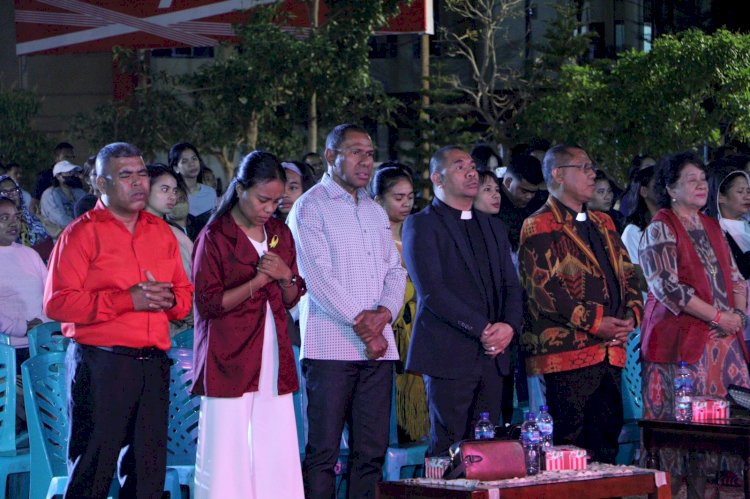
<point>451,315</point>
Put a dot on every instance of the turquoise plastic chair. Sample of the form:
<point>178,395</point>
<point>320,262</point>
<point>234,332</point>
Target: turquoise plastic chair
<point>46,415</point>
<point>47,338</point>
<point>632,401</point>
<point>44,392</point>
<point>183,339</point>
<point>400,455</point>
<point>12,459</point>
<point>184,412</point>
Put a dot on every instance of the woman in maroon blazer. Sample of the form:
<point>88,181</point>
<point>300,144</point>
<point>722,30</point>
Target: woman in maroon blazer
<point>245,272</point>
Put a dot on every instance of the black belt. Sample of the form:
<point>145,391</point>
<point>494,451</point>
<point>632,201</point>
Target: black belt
<point>137,353</point>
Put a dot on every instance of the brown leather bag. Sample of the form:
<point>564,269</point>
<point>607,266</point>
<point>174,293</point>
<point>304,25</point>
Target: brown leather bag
<point>487,460</point>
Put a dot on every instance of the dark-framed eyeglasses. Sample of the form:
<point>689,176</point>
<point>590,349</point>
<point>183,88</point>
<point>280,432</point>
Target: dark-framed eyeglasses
<point>584,168</point>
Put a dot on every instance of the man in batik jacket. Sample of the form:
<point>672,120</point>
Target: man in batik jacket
<point>584,301</point>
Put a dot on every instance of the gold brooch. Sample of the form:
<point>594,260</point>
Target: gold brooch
<point>274,241</point>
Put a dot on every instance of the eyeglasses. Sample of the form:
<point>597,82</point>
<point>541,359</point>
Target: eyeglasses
<point>15,191</point>
<point>584,168</point>
<point>358,153</point>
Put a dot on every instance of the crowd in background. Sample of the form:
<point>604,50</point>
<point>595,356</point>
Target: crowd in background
<point>536,266</point>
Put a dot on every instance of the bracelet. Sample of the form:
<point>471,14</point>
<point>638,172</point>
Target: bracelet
<point>743,317</point>
<point>714,323</point>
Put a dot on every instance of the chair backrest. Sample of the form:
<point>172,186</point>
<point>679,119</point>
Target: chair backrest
<point>7,398</point>
<point>184,410</point>
<point>46,338</point>
<point>632,397</point>
<point>183,339</point>
<point>299,410</point>
<point>44,392</point>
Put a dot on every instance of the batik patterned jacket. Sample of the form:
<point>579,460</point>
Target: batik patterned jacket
<point>566,291</point>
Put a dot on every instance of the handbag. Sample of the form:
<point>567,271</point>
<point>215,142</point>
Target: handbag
<point>486,460</point>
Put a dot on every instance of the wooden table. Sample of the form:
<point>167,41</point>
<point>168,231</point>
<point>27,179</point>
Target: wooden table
<point>640,483</point>
<point>727,435</point>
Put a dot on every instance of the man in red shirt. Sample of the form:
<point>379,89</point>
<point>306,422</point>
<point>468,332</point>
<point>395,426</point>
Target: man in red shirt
<point>115,281</point>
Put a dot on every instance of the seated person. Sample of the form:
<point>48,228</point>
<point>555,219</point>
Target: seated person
<point>32,232</point>
<point>24,275</point>
<point>59,200</point>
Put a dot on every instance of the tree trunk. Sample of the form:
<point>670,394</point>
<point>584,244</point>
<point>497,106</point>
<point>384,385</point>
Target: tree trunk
<point>252,130</point>
<point>312,121</point>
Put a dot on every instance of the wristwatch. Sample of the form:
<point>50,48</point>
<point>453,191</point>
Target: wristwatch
<point>292,282</point>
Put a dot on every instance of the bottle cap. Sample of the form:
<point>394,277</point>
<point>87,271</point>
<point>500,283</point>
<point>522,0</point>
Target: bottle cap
<point>682,363</point>
<point>543,408</point>
<point>484,415</point>
<point>531,416</point>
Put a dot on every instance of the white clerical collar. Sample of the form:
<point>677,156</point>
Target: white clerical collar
<point>466,215</point>
<point>581,217</point>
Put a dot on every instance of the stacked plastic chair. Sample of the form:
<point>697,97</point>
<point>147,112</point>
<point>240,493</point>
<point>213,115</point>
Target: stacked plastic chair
<point>46,415</point>
<point>47,338</point>
<point>632,400</point>
<point>12,459</point>
<point>184,412</point>
<point>183,339</point>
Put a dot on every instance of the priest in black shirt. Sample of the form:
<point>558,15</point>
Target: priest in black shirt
<point>468,301</point>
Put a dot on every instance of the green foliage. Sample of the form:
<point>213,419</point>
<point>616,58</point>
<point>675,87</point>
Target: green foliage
<point>19,142</point>
<point>256,94</point>
<point>690,89</point>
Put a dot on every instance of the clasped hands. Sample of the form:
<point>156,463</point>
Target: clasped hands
<point>152,295</point>
<point>495,338</point>
<point>274,268</point>
<point>729,323</point>
<point>369,326</point>
<point>615,330</point>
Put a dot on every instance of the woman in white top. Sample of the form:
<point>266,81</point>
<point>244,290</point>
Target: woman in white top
<point>640,215</point>
<point>729,202</point>
<point>185,160</point>
<point>161,201</point>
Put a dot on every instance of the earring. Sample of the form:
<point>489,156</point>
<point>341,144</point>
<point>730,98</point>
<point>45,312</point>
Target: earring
<point>674,200</point>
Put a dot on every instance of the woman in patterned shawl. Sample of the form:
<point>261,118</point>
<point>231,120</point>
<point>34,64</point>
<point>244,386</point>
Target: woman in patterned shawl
<point>695,306</point>
<point>33,233</point>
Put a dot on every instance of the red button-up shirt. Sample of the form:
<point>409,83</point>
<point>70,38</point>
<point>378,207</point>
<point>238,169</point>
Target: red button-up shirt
<point>92,268</point>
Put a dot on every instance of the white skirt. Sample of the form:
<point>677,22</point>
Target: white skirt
<point>247,446</point>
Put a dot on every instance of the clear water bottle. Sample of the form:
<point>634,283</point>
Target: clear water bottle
<point>484,429</point>
<point>546,427</point>
<point>531,440</point>
<point>683,393</point>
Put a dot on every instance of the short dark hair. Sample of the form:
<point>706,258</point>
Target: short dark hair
<point>555,154</point>
<point>436,162</point>
<point>526,168</point>
<point>486,174</point>
<point>114,150</point>
<point>63,145</point>
<point>338,134</point>
<point>308,179</point>
<point>668,172</point>
<point>388,175</point>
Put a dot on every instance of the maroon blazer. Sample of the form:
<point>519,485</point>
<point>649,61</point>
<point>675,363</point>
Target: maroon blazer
<point>228,343</point>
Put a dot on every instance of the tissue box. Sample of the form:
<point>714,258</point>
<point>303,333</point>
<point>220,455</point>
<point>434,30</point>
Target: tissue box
<point>709,408</point>
<point>565,457</point>
<point>434,467</point>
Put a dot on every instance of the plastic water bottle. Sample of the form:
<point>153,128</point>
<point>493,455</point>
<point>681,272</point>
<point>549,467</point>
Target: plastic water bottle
<point>484,429</point>
<point>531,440</point>
<point>546,427</point>
<point>683,393</point>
